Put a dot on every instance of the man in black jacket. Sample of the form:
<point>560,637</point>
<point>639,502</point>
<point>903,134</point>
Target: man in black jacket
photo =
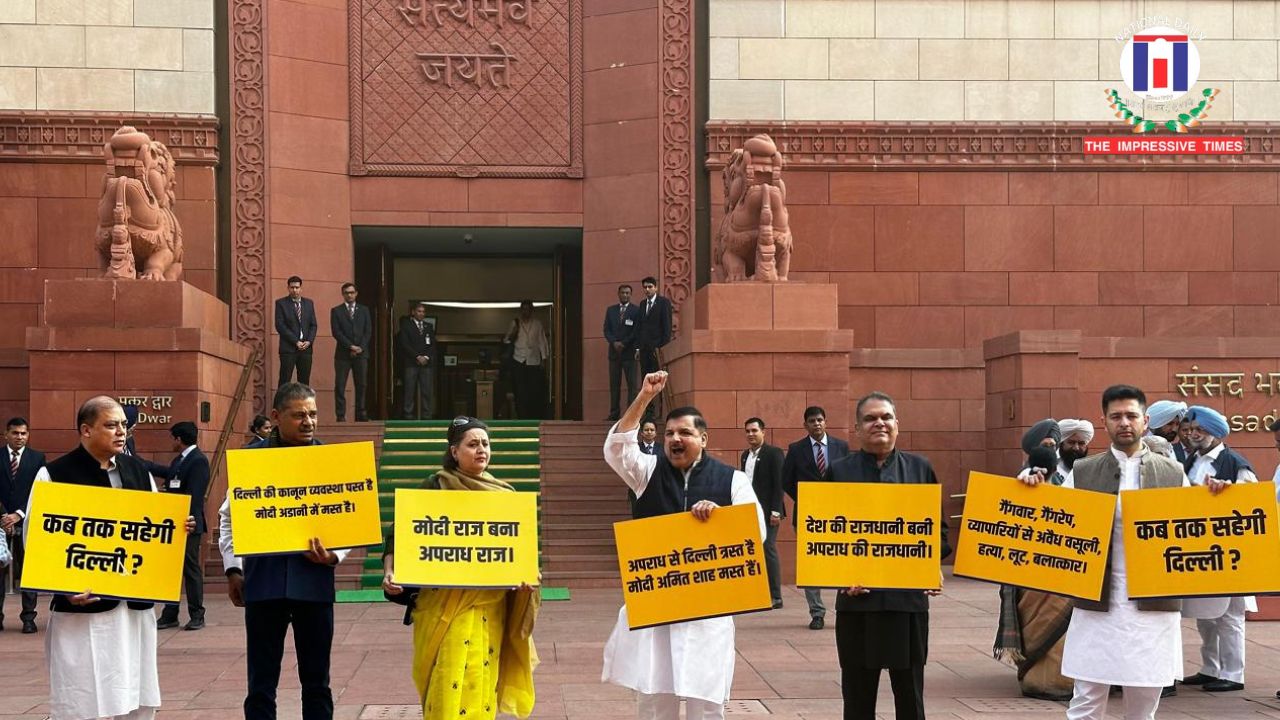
<point>296,325</point>
<point>352,328</point>
<point>883,629</point>
<point>621,323</point>
<point>809,459</point>
<point>418,350</point>
<point>282,591</point>
<point>654,334</point>
<point>763,464</point>
<point>17,472</point>
<point>188,474</point>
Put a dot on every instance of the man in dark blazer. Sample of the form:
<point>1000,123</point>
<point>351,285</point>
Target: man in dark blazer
<point>810,459</point>
<point>282,591</point>
<point>188,474</point>
<point>880,630</point>
<point>17,472</point>
<point>621,325</point>
<point>296,325</point>
<point>655,333</point>
<point>352,328</point>
<point>418,350</point>
<point>763,464</point>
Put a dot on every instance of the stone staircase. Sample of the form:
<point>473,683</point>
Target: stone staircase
<point>581,499</point>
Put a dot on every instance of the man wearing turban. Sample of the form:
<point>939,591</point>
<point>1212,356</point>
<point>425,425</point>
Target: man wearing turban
<point>1220,620</point>
<point>1032,624</point>
<point>1166,419</point>
<point>1076,436</point>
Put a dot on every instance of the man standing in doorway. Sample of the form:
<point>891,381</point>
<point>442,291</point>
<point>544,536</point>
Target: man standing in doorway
<point>621,322</point>
<point>296,325</point>
<point>529,350</point>
<point>418,350</point>
<point>17,473</point>
<point>189,475</point>
<point>810,459</point>
<point>762,464</point>
<point>655,331</point>
<point>352,328</point>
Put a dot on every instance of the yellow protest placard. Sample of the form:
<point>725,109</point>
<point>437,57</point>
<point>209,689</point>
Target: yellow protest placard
<point>877,535</point>
<point>465,538</point>
<point>1187,542</point>
<point>1046,538</point>
<point>282,497</point>
<point>677,568</point>
<point>126,544</point>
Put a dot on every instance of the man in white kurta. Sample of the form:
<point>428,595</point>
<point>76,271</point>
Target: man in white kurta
<point>1220,620</point>
<point>691,660</point>
<point>1121,644</point>
<point>102,664</point>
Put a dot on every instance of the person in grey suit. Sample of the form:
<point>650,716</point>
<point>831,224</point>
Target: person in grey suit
<point>763,465</point>
<point>297,327</point>
<point>1115,641</point>
<point>810,459</point>
<point>352,328</point>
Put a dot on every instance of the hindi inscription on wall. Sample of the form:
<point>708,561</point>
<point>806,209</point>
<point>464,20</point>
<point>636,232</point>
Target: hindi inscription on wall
<point>466,88</point>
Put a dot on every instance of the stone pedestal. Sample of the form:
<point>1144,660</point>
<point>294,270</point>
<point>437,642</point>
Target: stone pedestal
<point>765,350</point>
<point>163,341</point>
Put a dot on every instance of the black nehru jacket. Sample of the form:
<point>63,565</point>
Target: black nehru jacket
<point>78,467</point>
<point>666,492</point>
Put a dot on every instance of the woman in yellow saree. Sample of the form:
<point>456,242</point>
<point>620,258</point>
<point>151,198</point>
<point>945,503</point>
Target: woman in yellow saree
<point>473,649</point>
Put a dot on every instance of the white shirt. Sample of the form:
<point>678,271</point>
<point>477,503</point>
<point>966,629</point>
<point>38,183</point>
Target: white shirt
<point>530,342</point>
<point>1203,468</point>
<point>750,468</point>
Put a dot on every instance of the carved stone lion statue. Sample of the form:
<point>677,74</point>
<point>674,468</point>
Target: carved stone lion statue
<point>138,235</point>
<point>754,239</point>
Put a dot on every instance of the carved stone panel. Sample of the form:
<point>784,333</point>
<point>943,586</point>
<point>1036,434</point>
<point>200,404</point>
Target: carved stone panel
<point>466,88</point>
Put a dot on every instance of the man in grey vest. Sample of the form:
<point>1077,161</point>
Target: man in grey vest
<point>1135,644</point>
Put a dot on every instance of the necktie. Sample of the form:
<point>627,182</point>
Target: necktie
<point>647,307</point>
<point>419,323</point>
<point>821,458</point>
<point>13,465</point>
<point>297,310</point>
<point>351,311</point>
<point>622,312</point>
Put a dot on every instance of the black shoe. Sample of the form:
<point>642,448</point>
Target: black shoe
<point>165,623</point>
<point>195,624</point>
<point>1199,679</point>
<point>1169,691</point>
<point>342,419</point>
<point>817,623</point>
<point>28,627</point>
<point>362,418</point>
<point>613,417</point>
<point>1222,686</point>
<point>777,605</point>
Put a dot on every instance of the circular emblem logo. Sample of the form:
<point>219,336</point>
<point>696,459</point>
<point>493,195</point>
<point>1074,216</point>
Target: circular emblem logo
<point>1160,63</point>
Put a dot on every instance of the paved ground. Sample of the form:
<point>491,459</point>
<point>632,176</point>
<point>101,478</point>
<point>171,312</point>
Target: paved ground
<point>788,670</point>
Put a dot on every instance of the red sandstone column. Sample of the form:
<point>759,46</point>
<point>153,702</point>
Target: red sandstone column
<point>1031,375</point>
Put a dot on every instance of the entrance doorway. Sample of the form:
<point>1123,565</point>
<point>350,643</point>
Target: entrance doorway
<point>472,281</point>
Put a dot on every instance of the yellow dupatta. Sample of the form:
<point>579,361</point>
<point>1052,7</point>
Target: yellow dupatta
<point>518,657</point>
